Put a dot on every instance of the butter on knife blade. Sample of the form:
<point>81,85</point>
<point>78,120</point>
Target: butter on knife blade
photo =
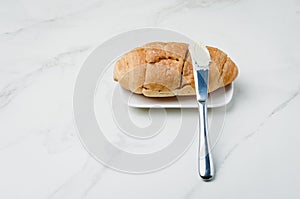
<point>201,60</point>
<point>200,54</point>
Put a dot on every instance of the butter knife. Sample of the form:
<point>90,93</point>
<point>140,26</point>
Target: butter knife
<point>201,61</point>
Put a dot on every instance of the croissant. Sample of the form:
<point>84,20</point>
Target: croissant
<point>164,69</point>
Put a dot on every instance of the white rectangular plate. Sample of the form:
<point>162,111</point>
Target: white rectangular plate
<point>218,98</point>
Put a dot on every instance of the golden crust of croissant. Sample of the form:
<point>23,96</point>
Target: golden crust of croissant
<point>164,69</point>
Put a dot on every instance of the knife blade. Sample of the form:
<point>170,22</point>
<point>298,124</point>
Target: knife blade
<point>201,61</point>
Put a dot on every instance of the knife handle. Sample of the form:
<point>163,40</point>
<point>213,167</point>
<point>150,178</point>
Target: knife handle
<point>206,167</point>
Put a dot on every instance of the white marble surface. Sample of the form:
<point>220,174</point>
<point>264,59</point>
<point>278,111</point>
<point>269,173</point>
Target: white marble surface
<point>42,45</point>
